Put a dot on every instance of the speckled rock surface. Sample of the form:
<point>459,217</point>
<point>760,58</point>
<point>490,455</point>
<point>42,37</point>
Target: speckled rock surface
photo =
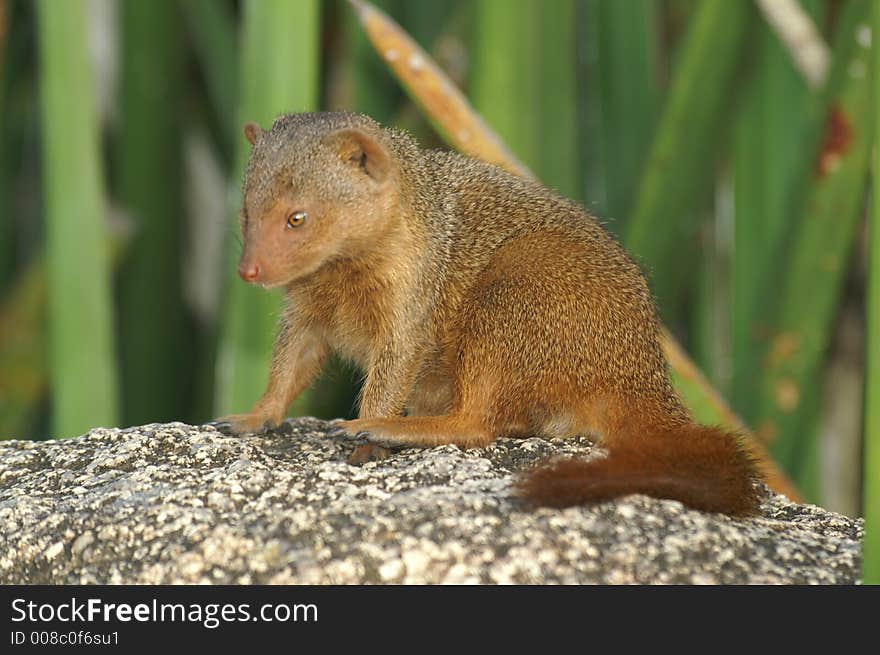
<point>177,503</point>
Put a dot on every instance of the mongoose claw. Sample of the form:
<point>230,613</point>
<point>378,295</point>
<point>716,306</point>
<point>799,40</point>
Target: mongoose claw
<point>358,437</point>
<point>354,431</point>
<point>383,432</point>
<point>337,433</point>
<point>224,427</point>
<point>239,424</point>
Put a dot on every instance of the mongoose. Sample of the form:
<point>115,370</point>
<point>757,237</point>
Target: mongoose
<point>478,304</point>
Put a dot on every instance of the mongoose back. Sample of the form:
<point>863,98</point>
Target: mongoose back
<point>478,304</point>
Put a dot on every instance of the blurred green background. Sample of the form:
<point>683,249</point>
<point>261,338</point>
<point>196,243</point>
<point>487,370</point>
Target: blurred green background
<point>741,188</point>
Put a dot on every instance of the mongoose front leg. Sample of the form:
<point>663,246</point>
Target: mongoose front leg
<point>385,392</point>
<point>420,431</point>
<point>298,355</point>
<point>390,381</point>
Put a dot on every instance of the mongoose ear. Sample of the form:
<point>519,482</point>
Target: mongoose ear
<point>253,133</point>
<point>361,150</point>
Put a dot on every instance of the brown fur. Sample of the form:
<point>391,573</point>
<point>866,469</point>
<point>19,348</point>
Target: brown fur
<point>703,467</point>
<point>479,304</point>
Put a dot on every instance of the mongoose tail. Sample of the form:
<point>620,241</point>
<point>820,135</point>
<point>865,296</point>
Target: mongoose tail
<point>707,468</point>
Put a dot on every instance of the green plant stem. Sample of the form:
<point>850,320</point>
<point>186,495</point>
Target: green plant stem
<point>682,157</point>
<point>81,342</point>
<point>279,74</point>
<point>154,344</point>
<point>871,549</point>
<point>211,26</point>
<point>528,95</point>
<point>817,249</point>
<point>771,136</point>
<point>627,95</point>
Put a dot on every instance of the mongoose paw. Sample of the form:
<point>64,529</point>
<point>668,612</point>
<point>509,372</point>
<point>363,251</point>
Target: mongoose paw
<point>383,441</point>
<point>368,453</point>
<point>219,425</point>
<point>238,424</point>
<point>355,431</point>
<point>364,451</point>
<point>359,438</point>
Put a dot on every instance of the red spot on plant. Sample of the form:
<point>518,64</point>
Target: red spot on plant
<point>837,140</point>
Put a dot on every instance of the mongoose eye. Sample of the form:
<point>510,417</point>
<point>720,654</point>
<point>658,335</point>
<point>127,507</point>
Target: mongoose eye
<point>296,219</point>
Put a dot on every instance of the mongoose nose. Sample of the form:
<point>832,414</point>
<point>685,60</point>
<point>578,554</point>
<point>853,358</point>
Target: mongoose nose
<point>249,272</point>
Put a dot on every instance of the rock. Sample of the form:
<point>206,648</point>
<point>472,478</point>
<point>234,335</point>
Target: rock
<point>177,503</point>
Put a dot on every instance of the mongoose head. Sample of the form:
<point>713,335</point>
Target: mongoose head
<point>318,187</point>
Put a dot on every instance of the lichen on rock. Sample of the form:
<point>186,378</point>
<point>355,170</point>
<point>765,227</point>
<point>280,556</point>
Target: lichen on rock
<point>171,503</point>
